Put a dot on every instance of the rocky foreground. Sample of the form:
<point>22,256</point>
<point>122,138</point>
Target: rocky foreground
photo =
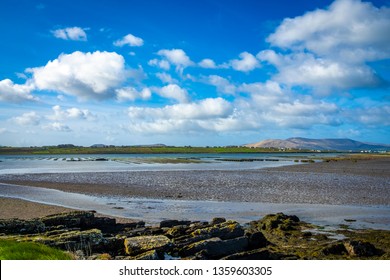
<point>275,236</point>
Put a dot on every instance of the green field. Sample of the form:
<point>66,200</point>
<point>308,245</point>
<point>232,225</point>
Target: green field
<point>69,149</point>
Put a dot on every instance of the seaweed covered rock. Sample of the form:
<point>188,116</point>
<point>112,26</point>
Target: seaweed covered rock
<point>172,223</point>
<point>140,244</point>
<point>360,249</point>
<point>79,219</point>
<point>278,221</point>
<point>85,240</point>
<point>226,230</point>
<point>16,226</point>
<point>256,240</point>
<point>335,249</point>
<point>76,219</point>
<point>215,247</point>
<point>276,236</point>
<point>258,254</point>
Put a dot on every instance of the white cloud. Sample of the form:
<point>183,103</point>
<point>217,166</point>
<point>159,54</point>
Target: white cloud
<point>56,126</point>
<point>173,91</point>
<point>372,116</point>
<point>131,94</point>
<point>207,114</point>
<point>71,33</point>
<point>163,64</point>
<point>85,75</point>
<point>29,118</point>
<point>223,85</point>
<point>275,106</point>
<point>70,113</point>
<point>176,57</point>
<point>330,48</point>
<point>166,78</point>
<point>204,109</point>
<point>129,40</point>
<point>207,63</point>
<point>246,63</point>
<point>350,29</point>
<point>10,92</point>
<point>322,73</point>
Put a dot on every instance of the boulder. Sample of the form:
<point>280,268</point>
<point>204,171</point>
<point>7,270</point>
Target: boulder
<point>259,254</point>
<point>218,220</point>
<point>215,247</point>
<point>86,240</point>
<point>360,249</point>
<point>172,223</point>
<point>16,226</point>
<point>149,255</point>
<point>176,231</point>
<point>278,221</point>
<point>140,244</point>
<point>75,219</point>
<point>226,230</point>
<point>335,249</point>
<point>256,240</point>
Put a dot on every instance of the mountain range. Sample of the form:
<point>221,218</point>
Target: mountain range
<point>320,144</point>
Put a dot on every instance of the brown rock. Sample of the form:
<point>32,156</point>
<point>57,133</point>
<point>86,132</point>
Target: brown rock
<point>140,244</point>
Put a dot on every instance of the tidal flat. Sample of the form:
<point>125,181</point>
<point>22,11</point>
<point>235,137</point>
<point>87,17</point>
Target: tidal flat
<point>345,205</point>
<point>325,192</point>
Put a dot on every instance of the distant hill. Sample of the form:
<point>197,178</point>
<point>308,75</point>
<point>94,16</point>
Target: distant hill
<point>320,144</point>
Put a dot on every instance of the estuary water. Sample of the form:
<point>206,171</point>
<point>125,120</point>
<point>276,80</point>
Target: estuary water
<point>144,162</point>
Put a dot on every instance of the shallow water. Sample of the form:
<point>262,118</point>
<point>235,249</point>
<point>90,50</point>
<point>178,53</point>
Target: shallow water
<point>116,163</point>
<point>154,210</point>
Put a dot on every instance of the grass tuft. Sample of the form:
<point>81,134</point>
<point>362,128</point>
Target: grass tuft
<point>14,250</point>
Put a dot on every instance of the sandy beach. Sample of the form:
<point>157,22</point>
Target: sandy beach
<point>346,182</point>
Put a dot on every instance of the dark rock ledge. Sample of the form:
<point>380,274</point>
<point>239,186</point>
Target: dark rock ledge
<point>275,236</point>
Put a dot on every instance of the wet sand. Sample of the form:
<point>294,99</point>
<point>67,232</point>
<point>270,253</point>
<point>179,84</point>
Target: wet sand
<point>16,208</point>
<point>11,208</point>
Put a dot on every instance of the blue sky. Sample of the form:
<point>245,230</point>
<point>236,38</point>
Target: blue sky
<point>213,72</point>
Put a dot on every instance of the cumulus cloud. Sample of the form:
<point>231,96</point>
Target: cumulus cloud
<point>173,91</point>
<point>201,115</point>
<point>207,63</point>
<point>70,113</point>
<point>306,69</point>
<point>204,109</point>
<point>29,118</point>
<point>330,48</point>
<point>273,105</point>
<point>163,64</point>
<point>85,75</point>
<point>223,85</point>
<point>131,94</point>
<point>166,78</point>
<point>10,92</point>
<point>71,33</point>
<point>377,115</point>
<point>176,56</point>
<point>129,40</point>
<point>57,126</point>
<point>352,29</point>
<point>246,63</point>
